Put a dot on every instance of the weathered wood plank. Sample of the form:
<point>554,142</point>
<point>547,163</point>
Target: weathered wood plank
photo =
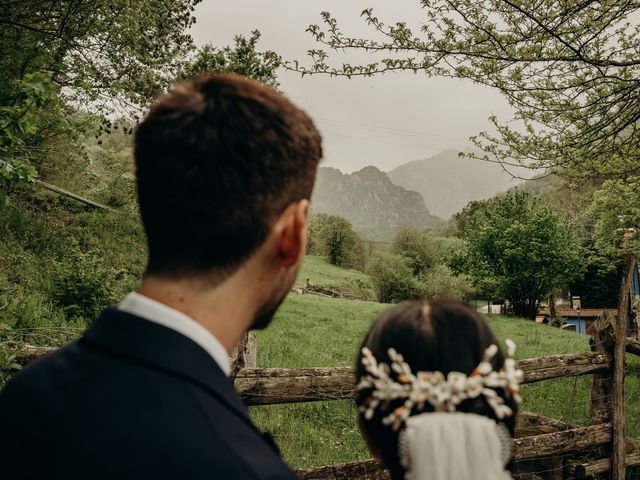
<point>555,366</point>
<point>244,355</point>
<point>560,443</point>
<point>266,386</point>
<point>61,191</point>
<point>601,341</point>
<point>633,346</point>
<point>601,466</point>
<point>527,448</point>
<point>27,352</point>
<point>529,424</point>
<point>364,470</point>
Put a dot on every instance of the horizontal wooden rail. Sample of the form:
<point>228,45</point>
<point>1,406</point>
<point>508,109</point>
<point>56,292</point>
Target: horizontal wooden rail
<point>562,443</point>
<point>526,448</point>
<point>61,191</point>
<point>556,366</point>
<point>529,423</point>
<point>633,346</point>
<point>601,466</point>
<point>268,386</point>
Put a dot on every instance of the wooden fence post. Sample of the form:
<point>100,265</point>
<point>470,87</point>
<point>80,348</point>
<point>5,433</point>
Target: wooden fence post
<point>602,341</point>
<point>244,356</point>
<point>618,458</point>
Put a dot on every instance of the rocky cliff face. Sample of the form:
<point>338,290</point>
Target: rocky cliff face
<point>370,201</point>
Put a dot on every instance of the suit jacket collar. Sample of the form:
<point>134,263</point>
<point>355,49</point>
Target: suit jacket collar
<point>136,339</point>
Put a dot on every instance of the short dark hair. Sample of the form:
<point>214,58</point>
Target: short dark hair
<point>217,160</point>
<point>451,337</point>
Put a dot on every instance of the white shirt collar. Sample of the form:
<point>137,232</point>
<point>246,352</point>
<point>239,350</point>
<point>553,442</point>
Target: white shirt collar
<point>156,312</point>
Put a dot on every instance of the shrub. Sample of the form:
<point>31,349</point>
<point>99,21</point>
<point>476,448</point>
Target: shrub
<point>424,249</point>
<point>440,281</point>
<point>85,285</point>
<point>416,247</point>
<point>392,277</point>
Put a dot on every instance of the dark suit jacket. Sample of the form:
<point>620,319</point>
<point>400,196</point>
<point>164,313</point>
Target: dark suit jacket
<point>130,400</point>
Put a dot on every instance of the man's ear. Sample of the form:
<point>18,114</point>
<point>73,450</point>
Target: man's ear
<point>292,228</point>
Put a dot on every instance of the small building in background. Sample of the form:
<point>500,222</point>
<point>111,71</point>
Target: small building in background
<point>579,320</point>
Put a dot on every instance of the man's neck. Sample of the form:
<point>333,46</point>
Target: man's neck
<point>227,310</point>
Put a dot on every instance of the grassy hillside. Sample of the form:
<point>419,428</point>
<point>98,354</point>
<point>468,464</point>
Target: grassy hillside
<point>312,331</point>
<point>320,272</point>
<point>61,263</point>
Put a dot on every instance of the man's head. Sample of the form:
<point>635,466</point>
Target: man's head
<point>224,163</point>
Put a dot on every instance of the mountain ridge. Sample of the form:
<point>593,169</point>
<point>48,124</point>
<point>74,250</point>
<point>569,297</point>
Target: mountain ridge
<point>448,182</point>
<point>368,198</point>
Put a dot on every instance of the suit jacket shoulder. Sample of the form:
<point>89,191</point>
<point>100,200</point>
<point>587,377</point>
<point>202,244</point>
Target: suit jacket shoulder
<point>131,399</point>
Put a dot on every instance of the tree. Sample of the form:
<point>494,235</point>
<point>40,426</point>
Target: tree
<point>64,64</point>
<point>392,277</point>
<point>440,281</point>
<point>462,218</point>
<point>332,236</point>
<point>57,56</point>
<point>600,285</point>
<point>569,69</point>
<point>243,58</point>
<point>520,250</point>
<point>104,53</point>
<point>616,209</point>
<point>423,249</point>
<point>18,126</point>
<point>417,247</point>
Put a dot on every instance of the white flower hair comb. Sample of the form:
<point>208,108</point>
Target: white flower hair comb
<point>444,394</point>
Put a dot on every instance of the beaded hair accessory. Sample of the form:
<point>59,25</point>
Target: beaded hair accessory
<point>444,394</point>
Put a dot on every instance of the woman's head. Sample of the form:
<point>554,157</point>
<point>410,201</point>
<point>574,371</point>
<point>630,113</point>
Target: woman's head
<point>439,335</point>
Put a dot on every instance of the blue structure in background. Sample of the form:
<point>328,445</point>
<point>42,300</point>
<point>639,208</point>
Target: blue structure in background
<point>578,322</point>
<point>635,286</point>
<point>583,318</point>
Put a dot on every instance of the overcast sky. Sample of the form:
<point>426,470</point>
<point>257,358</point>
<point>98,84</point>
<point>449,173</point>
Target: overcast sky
<point>383,121</point>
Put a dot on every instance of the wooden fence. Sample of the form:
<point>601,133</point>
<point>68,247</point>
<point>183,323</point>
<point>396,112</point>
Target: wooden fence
<point>543,445</point>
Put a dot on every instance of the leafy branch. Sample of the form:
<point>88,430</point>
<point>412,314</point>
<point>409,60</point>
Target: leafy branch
<point>570,70</point>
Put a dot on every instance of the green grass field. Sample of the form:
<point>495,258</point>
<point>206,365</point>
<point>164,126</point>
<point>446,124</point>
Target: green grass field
<point>313,331</point>
<point>320,272</point>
